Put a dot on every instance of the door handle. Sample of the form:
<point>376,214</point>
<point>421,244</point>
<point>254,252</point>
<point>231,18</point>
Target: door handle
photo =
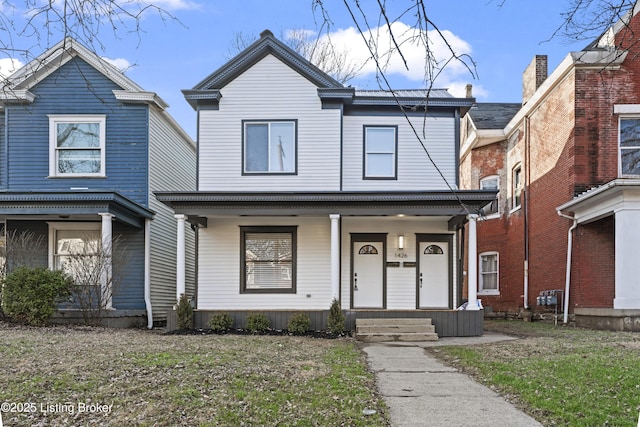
<point>420,279</point>
<point>355,281</point>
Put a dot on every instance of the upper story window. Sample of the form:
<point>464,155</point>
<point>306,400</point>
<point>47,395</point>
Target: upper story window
<point>380,152</point>
<point>270,147</point>
<point>77,145</point>
<point>490,183</point>
<point>629,146</point>
<point>488,280</point>
<point>516,180</point>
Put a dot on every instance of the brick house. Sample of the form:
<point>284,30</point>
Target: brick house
<point>567,165</point>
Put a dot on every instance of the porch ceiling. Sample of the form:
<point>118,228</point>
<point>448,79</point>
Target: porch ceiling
<point>428,203</point>
<point>73,203</point>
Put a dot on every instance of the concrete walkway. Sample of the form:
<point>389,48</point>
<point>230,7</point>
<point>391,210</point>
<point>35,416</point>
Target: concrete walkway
<point>421,391</point>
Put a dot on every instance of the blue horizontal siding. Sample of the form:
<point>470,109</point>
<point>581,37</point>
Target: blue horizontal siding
<point>78,88</point>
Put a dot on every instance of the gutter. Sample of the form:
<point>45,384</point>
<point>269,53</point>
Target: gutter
<point>568,270</point>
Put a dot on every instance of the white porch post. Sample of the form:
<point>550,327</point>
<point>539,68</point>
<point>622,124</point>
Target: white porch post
<point>472,273</point>
<point>627,279</point>
<point>180,257</point>
<point>335,256</point>
<point>107,243</point>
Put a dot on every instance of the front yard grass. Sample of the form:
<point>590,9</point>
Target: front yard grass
<point>137,377</point>
<point>562,376</point>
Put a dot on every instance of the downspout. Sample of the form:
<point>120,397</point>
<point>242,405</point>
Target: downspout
<point>567,281</point>
<point>147,273</point>
<point>525,200</point>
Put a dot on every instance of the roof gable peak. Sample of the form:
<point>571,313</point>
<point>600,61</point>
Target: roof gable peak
<point>267,44</point>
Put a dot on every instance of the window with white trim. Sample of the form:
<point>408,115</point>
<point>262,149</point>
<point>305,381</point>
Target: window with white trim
<point>74,244</point>
<point>380,152</point>
<point>488,280</point>
<point>269,147</point>
<point>491,183</point>
<point>516,181</point>
<point>629,137</point>
<point>77,145</point>
<point>268,259</point>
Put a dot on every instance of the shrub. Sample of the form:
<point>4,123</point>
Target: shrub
<point>257,322</point>
<point>184,313</point>
<point>31,294</point>
<point>220,322</point>
<point>335,320</point>
<point>299,323</point>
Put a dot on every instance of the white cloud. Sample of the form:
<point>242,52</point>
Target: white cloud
<point>120,63</point>
<point>453,73</point>
<point>8,66</point>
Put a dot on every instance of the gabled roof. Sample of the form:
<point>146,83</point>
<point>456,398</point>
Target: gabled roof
<point>207,92</point>
<point>19,83</point>
<point>266,45</point>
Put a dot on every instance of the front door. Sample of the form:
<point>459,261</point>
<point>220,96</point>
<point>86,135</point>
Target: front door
<point>367,278</point>
<point>434,272</point>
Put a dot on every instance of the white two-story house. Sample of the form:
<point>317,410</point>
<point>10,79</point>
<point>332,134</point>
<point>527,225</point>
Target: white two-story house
<point>310,191</point>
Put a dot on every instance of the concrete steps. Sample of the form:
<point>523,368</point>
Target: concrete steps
<point>385,330</point>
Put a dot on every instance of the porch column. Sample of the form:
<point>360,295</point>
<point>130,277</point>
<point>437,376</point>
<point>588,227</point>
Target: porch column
<point>335,256</point>
<point>472,273</point>
<point>627,279</point>
<point>107,251</point>
<point>180,257</point>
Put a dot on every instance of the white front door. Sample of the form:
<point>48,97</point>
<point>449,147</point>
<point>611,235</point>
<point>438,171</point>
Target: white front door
<point>368,275</point>
<point>433,274</point>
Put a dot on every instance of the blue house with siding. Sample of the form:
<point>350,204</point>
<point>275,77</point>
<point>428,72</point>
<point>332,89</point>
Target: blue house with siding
<point>82,150</point>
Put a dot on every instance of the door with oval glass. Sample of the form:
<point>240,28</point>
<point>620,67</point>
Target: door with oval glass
<point>434,271</point>
<point>367,278</point>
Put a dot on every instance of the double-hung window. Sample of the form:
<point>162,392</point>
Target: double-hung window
<point>77,145</point>
<point>488,283</point>
<point>270,147</point>
<point>629,136</point>
<point>516,196</point>
<point>268,259</point>
<point>380,152</point>
<point>490,183</point>
<point>75,248</point>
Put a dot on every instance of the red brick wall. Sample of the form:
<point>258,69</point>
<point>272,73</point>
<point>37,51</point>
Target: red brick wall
<point>593,266</point>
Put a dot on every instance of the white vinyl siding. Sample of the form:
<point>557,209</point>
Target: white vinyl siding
<point>219,269</point>
<point>275,92</point>
<point>168,151</point>
<point>414,170</point>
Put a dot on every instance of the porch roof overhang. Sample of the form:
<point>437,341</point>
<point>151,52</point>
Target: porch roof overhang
<point>604,200</point>
<point>457,204</point>
<point>73,204</point>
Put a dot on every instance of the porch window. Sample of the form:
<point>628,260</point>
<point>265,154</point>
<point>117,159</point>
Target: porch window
<point>268,259</point>
<point>488,283</point>
<point>380,152</point>
<point>629,146</point>
<point>77,145</point>
<point>76,248</point>
<point>269,147</point>
<point>490,183</point>
<point>516,196</point>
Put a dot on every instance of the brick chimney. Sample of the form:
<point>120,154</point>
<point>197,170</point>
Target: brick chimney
<point>534,75</point>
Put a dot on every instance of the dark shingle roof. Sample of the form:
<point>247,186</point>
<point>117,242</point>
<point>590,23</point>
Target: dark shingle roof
<point>493,115</point>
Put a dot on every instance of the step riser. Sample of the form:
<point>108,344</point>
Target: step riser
<point>428,329</point>
<point>397,337</point>
<point>381,322</point>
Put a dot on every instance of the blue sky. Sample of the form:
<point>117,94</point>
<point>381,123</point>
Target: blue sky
<point>502,36</point>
